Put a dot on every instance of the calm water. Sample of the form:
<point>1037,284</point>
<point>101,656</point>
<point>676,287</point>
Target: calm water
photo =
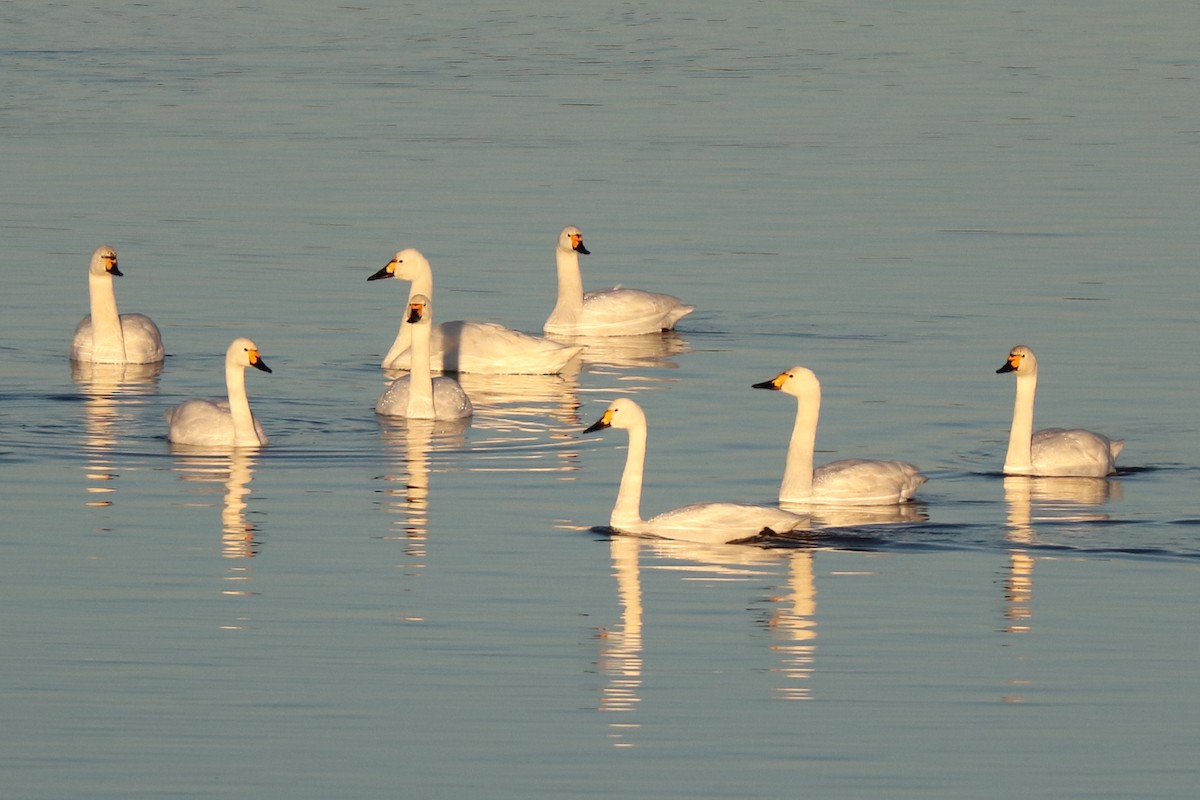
<point>891,197</point>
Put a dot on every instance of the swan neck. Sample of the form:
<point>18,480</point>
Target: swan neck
<point>627,512</point>
<point>107,336</point>
<point>244,432</point>
<point>422,283</point>
<point>798,471</point>
<point>570,285</point>
<point>1020,437</point>
<point>420,381</point>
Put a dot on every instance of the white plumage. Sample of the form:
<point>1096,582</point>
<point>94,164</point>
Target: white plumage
<point>464,345</point>
<point>709,523</point>
<point>419,395</point>
<point>106,336</point>
<point>609,312</point>
<point>225,421</point>
<point>1053,451</point>
<point>852,481</point>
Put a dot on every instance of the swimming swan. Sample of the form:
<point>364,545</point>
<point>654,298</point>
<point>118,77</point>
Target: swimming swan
<point>106,337</point>
<point>468,346</point>
<point>710,523</point>
<point>222,422</point>
<point>1053,451</point>
<point>610,312</point>
<point>851,481</point>
<point>418,395</point>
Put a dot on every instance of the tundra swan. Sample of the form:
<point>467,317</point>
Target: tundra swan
<point>609,312</point>
<point>709,523</point>
<point>851,481</point>
<point>226,421</point>
<point>468,346</point>
<point>106,337</point>
<point>418,395</point>
<point>1053,452</point>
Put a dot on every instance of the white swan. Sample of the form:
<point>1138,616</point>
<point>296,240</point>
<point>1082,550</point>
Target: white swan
<point>610,312</point>
<point>226,421</point>
<point>709,523</point>
<point>1053,451</point>
<point>851,481</point>
<point>106,337</point>
<point>418,395</point>
<point>467,346</point>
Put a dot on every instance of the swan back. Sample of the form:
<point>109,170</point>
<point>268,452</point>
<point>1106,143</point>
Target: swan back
<point>106,336</point>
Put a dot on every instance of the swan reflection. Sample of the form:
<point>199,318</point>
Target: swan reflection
<point>111,393</point>
<point>1033,501</point>
<point>629,352</point>
<point>792,620</point>
<point>410,442</point>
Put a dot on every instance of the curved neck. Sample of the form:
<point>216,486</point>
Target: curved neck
<point>421,283</point>
<point>627,511</point>
<point>798,471</point>
<point>1021,435</point>
<point>420,380</point>
<point>107,338</point>
<point>244,432</point>
<point>570,286</point>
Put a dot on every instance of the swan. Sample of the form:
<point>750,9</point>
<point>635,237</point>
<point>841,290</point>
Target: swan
<point>1053,451</point>
<point>106,337</point>
<point>418,395</point>
<point>222,422</point>
<point>610,312</point>
<point>851,481</point>
<point>708,523</point>
<point>459,346</point>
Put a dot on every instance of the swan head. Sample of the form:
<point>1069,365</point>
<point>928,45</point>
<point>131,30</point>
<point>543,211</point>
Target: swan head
<point>104,261</point>
<point>419,309</point>
<point>1021,360</point>
<point>404,265</point>
<point>622,413</point>
<point>244,353</point>
<point>797,381</point>
<point>571,241</point>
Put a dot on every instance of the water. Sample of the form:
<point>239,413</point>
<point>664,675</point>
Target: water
<point>892,197</point>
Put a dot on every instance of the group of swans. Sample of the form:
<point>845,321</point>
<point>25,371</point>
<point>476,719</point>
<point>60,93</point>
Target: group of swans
<point>1053,452</point>
<point>490,348</point>
<point>108,337</point>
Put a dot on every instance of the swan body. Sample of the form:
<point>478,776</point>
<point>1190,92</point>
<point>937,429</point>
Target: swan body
<point>226,421</point>
<point>851,481</point>
<point>419,395</point>
<point>709,523</point>
<point>609,312</point>
<point>106,336</point>
<point>468,346</point>
<point>1052,452</point>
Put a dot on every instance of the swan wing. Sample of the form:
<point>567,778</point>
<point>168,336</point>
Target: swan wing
<point>866,482</point>
<point>625,312</point>
<point>200,421</point>
<point>143,342</point>
<point>490,348</point>
<point>1073,452</point>
<point>719,523</point>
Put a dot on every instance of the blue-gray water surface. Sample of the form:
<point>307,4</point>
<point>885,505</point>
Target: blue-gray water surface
<point>893,197</point>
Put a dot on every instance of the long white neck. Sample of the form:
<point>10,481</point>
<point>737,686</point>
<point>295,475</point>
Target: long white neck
<point>108,341</point>
<point>420,379</point>
<point>1020,437</point>
<point>421,283</point>
<point>797,483</point>
<point>244,432</point>
<point>569,307</point>
<point>627,512</point>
